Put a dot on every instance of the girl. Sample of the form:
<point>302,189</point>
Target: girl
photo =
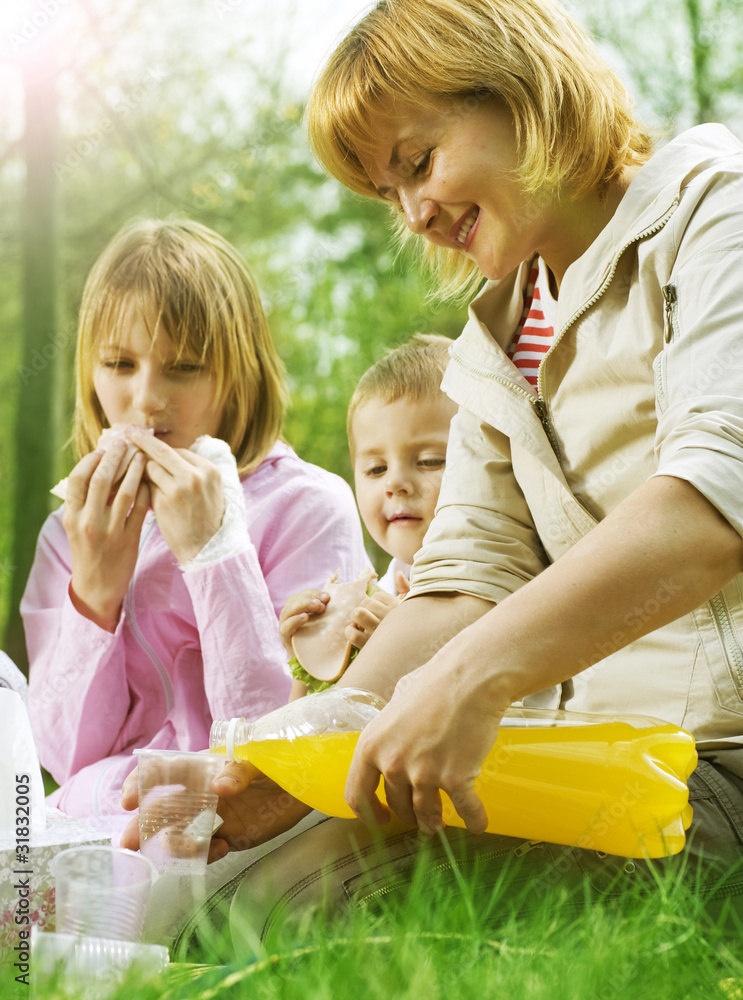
<point>152,603</point>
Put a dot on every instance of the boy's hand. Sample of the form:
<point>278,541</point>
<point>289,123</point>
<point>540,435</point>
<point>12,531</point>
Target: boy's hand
<point>253,809</point>
<point>367,616</point>
<point>296,613</point>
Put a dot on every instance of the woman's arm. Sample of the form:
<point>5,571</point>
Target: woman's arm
<point>408,637</point>
<point>665,538</point>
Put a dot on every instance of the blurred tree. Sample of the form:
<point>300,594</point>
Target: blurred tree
<point>34,437</point>
<point>149,127</point>
<point>172,109</point>
<point>684,57</point>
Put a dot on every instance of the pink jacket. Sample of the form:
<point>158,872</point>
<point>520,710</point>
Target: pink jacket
<point>190,647</point>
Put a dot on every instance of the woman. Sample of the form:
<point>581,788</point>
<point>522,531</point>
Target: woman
<point>587,547</point>
<point>600,495</point>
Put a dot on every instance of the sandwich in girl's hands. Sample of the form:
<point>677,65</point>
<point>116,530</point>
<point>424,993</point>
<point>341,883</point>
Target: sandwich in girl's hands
<point>110,434</point>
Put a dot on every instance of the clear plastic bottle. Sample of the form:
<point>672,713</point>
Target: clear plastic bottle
<point>616,784</point>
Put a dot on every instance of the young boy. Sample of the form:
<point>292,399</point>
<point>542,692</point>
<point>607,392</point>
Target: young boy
<point>398,428</point>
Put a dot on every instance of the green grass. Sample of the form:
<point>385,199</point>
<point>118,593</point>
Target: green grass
<point>443,947</point>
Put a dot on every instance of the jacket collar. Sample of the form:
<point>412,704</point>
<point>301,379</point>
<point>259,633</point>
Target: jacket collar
<point>648,203</point>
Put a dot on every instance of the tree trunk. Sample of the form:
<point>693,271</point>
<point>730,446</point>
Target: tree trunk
<point>701,52</point>
<point>34,430</point>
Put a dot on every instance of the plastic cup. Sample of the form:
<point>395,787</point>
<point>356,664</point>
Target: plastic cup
<point>177,808</point>
<point>72,966</point>
<point>102,891</point>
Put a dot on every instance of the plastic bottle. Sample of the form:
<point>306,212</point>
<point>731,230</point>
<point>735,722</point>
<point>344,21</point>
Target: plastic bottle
<point>616,785</point>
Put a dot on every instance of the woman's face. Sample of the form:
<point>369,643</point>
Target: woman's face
<point>452,171</point>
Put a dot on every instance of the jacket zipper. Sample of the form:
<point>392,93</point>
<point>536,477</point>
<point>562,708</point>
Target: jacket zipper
<point>540,407</point>
<point>650,231</point>
<point>538,402</point>
<point>730,645</point>
<point>137,632</point>
<point>669,294</point>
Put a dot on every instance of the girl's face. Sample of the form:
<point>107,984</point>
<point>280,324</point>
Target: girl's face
<point>399,454</point>
<point>142,381</point>
<point>452,171</point>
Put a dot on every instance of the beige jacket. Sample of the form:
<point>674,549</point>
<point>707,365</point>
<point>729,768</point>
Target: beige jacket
<point>645,377</point>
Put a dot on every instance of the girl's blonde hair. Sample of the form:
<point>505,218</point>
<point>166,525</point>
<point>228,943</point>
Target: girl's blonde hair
<point>575,124</point>
<point>413,370</point>
<point>193,284</point>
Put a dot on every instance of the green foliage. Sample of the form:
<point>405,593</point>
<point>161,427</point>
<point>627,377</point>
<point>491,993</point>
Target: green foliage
<point>680,58</point>
<point>165,109</point>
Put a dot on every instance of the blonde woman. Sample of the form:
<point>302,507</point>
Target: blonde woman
<point>597,457</point>
<point>587,546</point>
<point>152,605</point>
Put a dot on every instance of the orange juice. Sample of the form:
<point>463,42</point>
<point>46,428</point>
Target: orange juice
<point>614,786</point>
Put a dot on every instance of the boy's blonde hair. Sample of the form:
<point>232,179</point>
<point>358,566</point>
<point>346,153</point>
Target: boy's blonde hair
<point>199,290</point>
<point>413,370</point>
<point>575,123</point>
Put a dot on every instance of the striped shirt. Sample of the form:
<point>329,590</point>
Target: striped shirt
<point>536,330</point>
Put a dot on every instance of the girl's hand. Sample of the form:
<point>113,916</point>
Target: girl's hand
<point>296,613</point>
<point>186,495</point>
<point>103,525</point>
<point>367,616</point>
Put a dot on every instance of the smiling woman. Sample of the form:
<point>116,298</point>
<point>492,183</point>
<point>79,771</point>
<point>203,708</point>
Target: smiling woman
<point>152,606</point>
<point>422,71</point>
<point>586,551</point>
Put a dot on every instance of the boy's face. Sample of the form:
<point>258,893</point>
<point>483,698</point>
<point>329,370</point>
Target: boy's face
<point>399,453</point>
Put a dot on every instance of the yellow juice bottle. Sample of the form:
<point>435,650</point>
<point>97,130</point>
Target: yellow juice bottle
<point>614,785</point>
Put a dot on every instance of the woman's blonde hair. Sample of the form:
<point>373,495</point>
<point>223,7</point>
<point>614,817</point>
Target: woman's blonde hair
<point>574,120</point>
<point>412,370</point>
<point>189,281</point>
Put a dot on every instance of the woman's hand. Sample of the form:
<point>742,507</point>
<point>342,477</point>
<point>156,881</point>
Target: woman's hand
<point>433,735</point>
<point>253,809</point>
<point>296,613</point>
<point>103,524</point>
<point>367,616</point>
<point>186,495</point>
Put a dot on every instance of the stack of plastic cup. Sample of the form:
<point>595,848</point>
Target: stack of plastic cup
<point>102,891</point>
<point>177,808</point>
<point>101,903</point>
<point>68,966</point>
